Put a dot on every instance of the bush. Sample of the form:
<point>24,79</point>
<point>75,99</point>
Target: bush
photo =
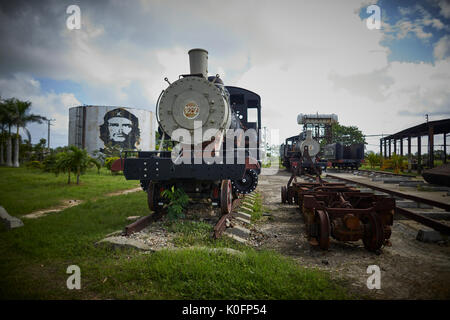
<point>178,199</point>
<point>109,162</point>
<point>49,163</point>
<point>34,164</point>
<point>373,159</point>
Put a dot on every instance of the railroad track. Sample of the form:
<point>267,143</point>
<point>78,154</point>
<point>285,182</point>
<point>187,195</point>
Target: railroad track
<point>403,197</point>
<point>375,172</point>
<point>219,228</point>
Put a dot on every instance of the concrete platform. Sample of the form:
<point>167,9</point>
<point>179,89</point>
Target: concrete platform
<point>9,221</point>
<point>429,236</point>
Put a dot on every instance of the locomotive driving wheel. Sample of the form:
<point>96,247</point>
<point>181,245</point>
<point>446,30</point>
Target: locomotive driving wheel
<point>373,237</point>
<point>283,194</point>
<point>226,197</point>
<point>323,229</point>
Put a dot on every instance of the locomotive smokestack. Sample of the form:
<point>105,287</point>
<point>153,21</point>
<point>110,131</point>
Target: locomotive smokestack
<point>198,61</point>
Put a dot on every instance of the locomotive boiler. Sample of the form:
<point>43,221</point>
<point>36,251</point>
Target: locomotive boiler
<point>216,153</point>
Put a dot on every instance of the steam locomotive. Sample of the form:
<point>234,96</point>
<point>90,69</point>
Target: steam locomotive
<point>217,152</point>
<point>335,155</point>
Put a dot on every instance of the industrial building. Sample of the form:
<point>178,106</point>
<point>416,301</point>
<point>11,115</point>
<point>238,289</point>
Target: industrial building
<point>94,127</point>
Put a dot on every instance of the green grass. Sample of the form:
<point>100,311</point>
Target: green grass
<point>34,259</point>
<point>25,190</point>
<point>196,233</point>
<point>257,208</point>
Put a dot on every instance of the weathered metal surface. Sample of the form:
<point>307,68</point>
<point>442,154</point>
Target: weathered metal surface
<point>432,223</point>
<point>431,202</point>
<point>439,175</point>
<point>345,214</point>
<point>220,226</point>
<point>226,197</point>
<point>141,223</point>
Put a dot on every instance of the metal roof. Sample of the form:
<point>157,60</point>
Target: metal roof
<point>439,127</point>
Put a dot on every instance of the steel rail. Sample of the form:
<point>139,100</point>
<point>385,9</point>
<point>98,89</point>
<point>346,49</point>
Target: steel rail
<point>141,223</point>
<point>220,226</point>
<point>431,202</point>
<point>385,173</point>
<point>436,225</point>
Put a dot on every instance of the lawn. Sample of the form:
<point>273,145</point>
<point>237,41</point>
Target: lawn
<point>378,168</point>
<point>34,259</point>
<point>25,190</point>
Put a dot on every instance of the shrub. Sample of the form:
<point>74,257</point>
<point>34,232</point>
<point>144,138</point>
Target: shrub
<point>49,163</point>
<point>109,162</point>
<point>373,159</point>
<point>178,200</point>
<point>34,164</point>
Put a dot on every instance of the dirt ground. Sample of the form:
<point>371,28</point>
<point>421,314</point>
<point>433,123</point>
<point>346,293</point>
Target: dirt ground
<point>410,269</point>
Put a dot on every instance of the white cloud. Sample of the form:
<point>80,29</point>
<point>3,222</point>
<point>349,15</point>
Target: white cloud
<point>300,56</point>
<point>442,48</point>
<point>407,25</point>
<point>445,8</point>
<point>50,105</point>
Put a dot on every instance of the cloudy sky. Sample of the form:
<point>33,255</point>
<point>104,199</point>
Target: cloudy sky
<point>300,56</point>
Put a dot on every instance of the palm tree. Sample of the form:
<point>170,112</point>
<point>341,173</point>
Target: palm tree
<point>63,163</point>
<point>74,160</point>
<point>7,111</point>
<point>373,159</point>
<point>21,117</point>
<point>2,127</point>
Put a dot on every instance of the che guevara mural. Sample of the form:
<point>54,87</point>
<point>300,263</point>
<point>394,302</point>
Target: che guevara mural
<point>98,128</point>
<point>120,128</point>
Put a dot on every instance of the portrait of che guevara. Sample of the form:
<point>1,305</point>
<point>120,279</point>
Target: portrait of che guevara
<point>120,128</point>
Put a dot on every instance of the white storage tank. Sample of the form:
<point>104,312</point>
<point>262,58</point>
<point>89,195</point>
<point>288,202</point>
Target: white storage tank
<point>93,127</point>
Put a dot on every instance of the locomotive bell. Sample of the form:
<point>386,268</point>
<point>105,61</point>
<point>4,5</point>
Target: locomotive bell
<point>194,103</point>
<point>313,145</point>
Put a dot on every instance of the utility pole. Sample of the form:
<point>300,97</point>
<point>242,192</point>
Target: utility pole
<point>48,135</point>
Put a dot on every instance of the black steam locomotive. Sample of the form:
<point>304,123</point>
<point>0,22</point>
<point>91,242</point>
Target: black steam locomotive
<point>217,152</point>
<point>334,155</point>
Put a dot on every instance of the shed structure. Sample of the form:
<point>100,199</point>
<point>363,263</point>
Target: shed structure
<point>428,130</point>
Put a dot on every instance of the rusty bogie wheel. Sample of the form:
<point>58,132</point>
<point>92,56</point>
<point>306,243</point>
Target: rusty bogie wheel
<point>283,194</point>
<point>226,197</point>
<point>373,237</point>
<point>289,196</point>
<point>323,229</point>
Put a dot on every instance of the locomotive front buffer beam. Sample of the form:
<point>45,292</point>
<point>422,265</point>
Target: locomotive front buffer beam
<point>220,182</point>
